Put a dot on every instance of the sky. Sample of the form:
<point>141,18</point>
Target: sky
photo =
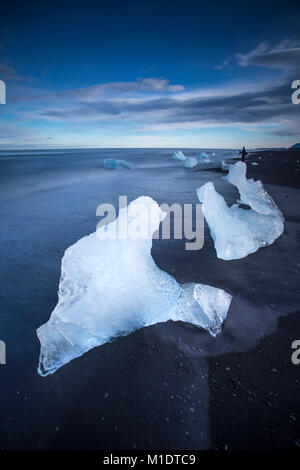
<point>177,74</point>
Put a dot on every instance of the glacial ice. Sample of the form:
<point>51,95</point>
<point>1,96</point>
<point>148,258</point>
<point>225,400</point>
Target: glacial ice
<point>203,158</point>
<point>225,166</point>
<point>238,232</point>
<point>213,302</point>
<point>111,286</point>
<point>190,162</point>
<point>253,193</point>
<point>179,156</point>
<point>112,164</point>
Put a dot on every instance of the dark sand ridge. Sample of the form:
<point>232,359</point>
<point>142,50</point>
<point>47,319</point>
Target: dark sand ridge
<point>168,386</point>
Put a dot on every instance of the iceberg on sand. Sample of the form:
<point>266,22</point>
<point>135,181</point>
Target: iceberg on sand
<point>112,164</point>
<point>253,193</point>
<point>179,156</point>
<point>238,232</point>
<point>112,286</point>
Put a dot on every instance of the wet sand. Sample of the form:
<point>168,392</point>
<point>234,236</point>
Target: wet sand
<point>169,386</point>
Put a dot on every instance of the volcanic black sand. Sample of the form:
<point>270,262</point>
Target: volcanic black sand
<point>172,385</point>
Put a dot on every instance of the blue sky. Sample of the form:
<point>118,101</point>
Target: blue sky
<point>149,74</point>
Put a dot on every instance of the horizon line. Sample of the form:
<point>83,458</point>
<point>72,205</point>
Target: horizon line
<point>141,147</point>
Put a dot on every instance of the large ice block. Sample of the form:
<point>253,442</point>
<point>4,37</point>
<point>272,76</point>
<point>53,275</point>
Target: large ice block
<point>110,286</point>
<point>238,232</point>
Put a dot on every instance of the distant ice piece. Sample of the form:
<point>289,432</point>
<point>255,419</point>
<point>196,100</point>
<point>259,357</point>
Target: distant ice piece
<point>254,163</point>
<point>112,164</point>
<point>225,166</point>
<point>203,158</point>
<point>190,162</point>
<point>179,156</point>
<point>110,287</point>
<point>238,232</point>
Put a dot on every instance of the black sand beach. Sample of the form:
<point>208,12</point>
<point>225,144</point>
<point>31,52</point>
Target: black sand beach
<point>172,385</point>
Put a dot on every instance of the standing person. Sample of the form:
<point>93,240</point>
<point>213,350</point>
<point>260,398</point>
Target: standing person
<point>244,153</point>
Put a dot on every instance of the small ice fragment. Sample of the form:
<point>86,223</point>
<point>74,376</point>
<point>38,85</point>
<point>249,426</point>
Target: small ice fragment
<point>203,158</point>
<point>111,286</point>
<point>190,162</point>
<point>254,163</point>
<point>225,166</point>
<point>112,164</point>
<point>179,156</point>
<point>204,306</point>
<point>238,232</point>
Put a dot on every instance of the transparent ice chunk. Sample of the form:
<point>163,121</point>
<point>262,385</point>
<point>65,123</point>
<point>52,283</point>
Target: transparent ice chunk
<point>238,232</point>
<point>111,286</point>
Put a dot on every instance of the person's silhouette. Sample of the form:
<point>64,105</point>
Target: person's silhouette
<point>244,153</point>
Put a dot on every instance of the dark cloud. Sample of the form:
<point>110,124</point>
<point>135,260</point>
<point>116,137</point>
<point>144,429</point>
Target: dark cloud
<point>289,58</point>
<point>247,108</point>
<point>154,102</point>
<point>285,56</point>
